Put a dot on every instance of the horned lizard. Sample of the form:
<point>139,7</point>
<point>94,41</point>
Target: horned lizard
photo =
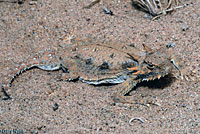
<point>100,63</point>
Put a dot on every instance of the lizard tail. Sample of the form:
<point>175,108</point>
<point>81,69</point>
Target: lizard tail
<point>46,61</point>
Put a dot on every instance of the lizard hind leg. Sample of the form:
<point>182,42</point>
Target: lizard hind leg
<point>45,61</point>
<point>125,88</point>
<point>70,70</point>
<point>68,76</point>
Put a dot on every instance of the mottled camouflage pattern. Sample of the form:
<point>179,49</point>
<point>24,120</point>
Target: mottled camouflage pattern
<point>96,63</point>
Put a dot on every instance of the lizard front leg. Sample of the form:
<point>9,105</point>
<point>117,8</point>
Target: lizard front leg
<point>124,89</point>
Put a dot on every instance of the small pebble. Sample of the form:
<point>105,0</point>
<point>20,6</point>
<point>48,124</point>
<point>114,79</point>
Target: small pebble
<point>33,3</point>
<point>185,27</point>
<point>171,44</point>
<point>184,105</point>
<point>146,16</point>
<point>55,107</point>
<point>107,11</point>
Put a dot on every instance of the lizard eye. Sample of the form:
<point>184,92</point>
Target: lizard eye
<point>150,66</point>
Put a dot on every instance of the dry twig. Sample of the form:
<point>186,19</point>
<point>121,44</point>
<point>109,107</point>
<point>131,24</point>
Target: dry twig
<point>157,8</point>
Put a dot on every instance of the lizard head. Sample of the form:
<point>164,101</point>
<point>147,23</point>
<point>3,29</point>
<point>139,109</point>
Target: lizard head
<point>158,63</point>
<point>161,62</point>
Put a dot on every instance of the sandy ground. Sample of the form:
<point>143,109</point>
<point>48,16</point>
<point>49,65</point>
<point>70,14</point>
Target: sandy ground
<point>41,106</point>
